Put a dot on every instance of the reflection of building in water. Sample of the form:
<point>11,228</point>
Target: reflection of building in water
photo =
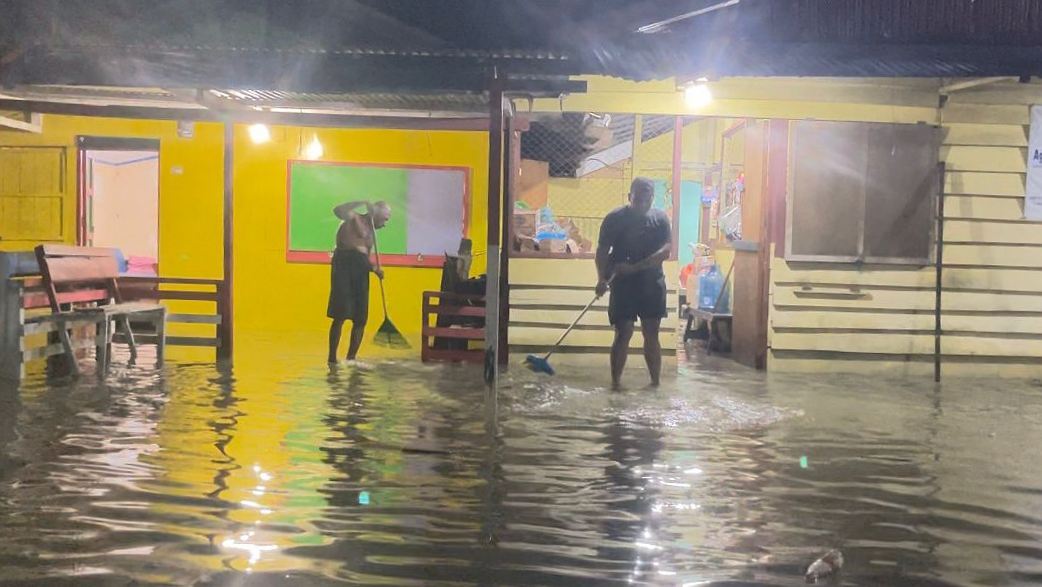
<point>396,486</point>
<point>251,444</point>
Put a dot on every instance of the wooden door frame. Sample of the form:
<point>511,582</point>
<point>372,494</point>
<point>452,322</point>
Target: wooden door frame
<point>86,143</point>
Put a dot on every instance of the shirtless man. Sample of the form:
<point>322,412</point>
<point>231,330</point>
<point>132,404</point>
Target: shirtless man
<point>349,275</point>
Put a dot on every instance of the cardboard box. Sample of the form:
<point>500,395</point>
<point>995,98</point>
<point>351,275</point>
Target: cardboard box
<point>525,222</point>
<point>553,245</point>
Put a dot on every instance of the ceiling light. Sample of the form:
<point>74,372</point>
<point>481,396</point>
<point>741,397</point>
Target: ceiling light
<point>259,133</point>
<point>314,149</point>
<point>698,95</point>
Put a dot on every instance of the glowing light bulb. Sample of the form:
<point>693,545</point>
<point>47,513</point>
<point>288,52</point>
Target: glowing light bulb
<point>259,133</point>
<point>698,96</point>
<point>314,149</point>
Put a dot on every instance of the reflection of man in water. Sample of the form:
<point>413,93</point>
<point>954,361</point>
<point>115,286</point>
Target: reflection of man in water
<point>632,450</point>
<point>634,241</point>
<point>349,274</point>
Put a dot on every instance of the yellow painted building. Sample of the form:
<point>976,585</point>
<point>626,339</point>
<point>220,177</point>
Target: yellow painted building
<point>992,288</point>
<point>992,276</point>
<point>38,204</point>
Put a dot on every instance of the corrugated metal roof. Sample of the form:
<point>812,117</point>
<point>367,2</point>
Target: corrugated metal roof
<point>228,50</point>
<point>829,60</point>
<point>1005,22</point>
<point>443,102</point>
<point>403,46</point>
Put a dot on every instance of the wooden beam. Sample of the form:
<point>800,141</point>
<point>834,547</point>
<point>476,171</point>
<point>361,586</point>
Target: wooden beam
<point>248,117</point>
<point>34,125</point>
<point>973,83</point>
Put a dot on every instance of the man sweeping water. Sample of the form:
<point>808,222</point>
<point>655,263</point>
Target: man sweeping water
<point>349,274</point>
<point>634,242</point>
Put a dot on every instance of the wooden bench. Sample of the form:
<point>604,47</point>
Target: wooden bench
<point>465,308</point>
<point>73,276</point>
<point>719,329</point>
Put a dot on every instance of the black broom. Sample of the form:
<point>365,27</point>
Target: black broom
<point>387,335</point>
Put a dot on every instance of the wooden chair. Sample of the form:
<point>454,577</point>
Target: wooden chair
<point>87,275</point>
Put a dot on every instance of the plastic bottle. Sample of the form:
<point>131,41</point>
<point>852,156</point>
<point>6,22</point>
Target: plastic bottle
<point>709,286</point>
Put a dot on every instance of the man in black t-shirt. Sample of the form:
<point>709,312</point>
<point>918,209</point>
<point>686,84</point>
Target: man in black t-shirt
<point>634,241</point>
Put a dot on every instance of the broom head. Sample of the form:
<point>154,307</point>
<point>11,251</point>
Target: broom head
<point>388,336</point>
<point>538,364</point>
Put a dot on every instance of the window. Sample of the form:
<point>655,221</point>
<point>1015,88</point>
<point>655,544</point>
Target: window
<point>32,186</point>
<point>862,192</point>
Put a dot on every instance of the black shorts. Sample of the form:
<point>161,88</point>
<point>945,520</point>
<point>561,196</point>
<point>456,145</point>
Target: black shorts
<point>637,296</point>
<point>349,286</point>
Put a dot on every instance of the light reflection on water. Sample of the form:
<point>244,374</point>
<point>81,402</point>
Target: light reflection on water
<point>286,473</point>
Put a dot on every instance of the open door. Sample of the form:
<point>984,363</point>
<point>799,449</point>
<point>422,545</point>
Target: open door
<point>119,199</point>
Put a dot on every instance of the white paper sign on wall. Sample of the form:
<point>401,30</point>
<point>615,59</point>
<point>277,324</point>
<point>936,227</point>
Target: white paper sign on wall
<point>1033,199</point>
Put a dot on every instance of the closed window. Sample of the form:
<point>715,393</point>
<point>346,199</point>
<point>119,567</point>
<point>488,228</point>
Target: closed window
<point>862,192</point>
<point>32,192</point>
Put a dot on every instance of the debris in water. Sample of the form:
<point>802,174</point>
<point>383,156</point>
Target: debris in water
<point>830,563</point>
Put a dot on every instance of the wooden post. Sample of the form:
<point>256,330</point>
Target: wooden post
<point>638,131</point>
<point>12,318</point>
<point>226,330</point>
<point>12,315</point>
<point>495,189</point>
<point>511,156</point>
<point>939,282</point>
<point>678,163</point>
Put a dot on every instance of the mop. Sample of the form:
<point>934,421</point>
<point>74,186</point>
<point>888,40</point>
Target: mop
<point>387,335</point>
<point>542,364</point>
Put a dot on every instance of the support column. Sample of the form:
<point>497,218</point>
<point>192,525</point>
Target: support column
<point>676,186</point>
<point>511,165</point>
<point>226,328</point>
<point>495,192</point>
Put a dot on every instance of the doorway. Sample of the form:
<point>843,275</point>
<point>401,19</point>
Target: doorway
<point>119,199</point>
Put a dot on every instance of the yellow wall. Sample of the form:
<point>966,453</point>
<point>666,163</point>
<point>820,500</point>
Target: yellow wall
<point>270,294</point>
<point>881,318</point>
<point>842,317</point>
<point>877,100</point>
<point>547,294</point>
<point>992,284</point>
<point>190,187</point>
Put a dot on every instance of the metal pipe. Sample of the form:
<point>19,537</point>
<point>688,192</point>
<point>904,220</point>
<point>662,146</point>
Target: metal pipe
<point>657,26</point>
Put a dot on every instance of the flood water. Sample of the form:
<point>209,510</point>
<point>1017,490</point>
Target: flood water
<point>282,472</point>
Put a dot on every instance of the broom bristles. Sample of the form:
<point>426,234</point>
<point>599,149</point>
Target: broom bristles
<point>388,336</point>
